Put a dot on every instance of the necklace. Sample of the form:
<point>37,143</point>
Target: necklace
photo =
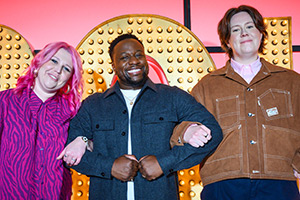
<point>131,100</point>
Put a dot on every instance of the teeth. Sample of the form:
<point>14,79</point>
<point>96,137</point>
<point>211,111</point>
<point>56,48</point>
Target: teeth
<point>134,70</point>
<point>53,76</point>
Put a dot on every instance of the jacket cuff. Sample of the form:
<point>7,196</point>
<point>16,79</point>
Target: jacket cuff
<point>166,162</point>
<point>296,161</point>
<point>178,133</point>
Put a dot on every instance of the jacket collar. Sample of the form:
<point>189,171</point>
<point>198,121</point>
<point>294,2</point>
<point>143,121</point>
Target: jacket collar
<point>116,88</point>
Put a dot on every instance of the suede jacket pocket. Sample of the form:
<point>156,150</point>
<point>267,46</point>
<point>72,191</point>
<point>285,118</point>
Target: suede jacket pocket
<point>279,147</point>
<point>228,111</point>
<point>275,104</point>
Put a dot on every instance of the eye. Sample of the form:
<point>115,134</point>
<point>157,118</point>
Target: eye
<point>124,58</point>
<point>139,55</point>
<point>68,69</point>
<point>54,61</point>
<point>250,26</point>
<point>234,30</point>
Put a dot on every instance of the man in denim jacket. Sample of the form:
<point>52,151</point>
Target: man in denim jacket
<point>130,125</point>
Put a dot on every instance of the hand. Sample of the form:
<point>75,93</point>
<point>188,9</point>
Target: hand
<point>73,152</point>
<point>197,135</point>
<point>296,174</point>
<point>125,168</point>
<point>150,168</point>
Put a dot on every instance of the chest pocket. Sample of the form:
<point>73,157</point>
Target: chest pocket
<point>160,117</point>
<point>275,104</point>
<point>103,125</point>
<point>228,111</point>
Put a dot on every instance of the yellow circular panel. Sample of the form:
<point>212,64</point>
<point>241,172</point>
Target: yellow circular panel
<point>279,45</point>
<point>15,55</point>
<point>159,40</point>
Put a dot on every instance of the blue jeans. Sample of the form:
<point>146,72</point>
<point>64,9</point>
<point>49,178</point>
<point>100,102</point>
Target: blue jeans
<point>251,189</point>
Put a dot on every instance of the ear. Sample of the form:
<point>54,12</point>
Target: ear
<point>113,66</point>
<point>261,36</point>
<point>228,45</point>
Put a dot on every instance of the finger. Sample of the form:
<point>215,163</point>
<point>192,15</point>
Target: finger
<point>77,161</point>
<point>61,155</point>
<point>199,138</point>
<point>208,137</point>
<point>198,142</point>
<point>70,161</point>
<point>142,170</point>
<point>66,158</point>
<point>207,130</point>
<point>194,144</point>
<point>202,132</point>
<point>142,158</point>
<point>134,168</point>
<point>201,144</point>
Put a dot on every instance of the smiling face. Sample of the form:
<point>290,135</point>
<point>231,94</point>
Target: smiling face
<point>130,64</point>
<point>54,74</point>
<point>245,38</point>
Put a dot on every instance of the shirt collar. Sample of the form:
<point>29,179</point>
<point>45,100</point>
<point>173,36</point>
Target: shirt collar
<point>255,66</point>
<point>227,69</point>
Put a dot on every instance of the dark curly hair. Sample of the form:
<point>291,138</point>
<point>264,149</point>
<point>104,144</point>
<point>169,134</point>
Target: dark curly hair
<point>119,39</point>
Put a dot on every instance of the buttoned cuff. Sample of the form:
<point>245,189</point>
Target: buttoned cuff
<point>178,133</point>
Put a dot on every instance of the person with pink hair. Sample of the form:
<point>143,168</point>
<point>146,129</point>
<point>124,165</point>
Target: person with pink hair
<point>34,122</point>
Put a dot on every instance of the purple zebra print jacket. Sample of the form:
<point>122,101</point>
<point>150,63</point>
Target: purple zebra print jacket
<point>32,134</point>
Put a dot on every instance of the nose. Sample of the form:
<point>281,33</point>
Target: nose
<point>244,32</point>
<point>58,69</point>
<point>133,60</point>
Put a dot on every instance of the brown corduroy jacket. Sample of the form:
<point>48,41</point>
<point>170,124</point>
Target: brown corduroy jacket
<point>260,123</point>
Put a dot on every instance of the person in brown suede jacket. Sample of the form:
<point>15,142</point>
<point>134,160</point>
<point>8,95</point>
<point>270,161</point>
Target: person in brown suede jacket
<point>257,106</point>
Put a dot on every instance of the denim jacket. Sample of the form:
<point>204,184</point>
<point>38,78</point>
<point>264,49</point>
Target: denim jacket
<point>103,117</point>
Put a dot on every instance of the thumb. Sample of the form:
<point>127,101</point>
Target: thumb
<point>131,157</point>
<point>61,155</point>
<point>143,158</point>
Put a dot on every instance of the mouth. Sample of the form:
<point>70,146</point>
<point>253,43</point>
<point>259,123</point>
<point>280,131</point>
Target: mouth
<point>53,77</point>
<point>134,71</point>
<point>246,41</point>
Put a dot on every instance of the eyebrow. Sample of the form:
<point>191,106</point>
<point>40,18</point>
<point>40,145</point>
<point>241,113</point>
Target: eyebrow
<point>249,22</point>
<point>64,64</point>
<point>137,51</point>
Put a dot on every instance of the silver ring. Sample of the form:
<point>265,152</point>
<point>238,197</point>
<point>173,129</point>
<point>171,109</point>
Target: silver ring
<point>65,155</point>
<point>73,159</point>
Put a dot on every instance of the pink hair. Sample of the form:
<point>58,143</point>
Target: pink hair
<point>75,83</point>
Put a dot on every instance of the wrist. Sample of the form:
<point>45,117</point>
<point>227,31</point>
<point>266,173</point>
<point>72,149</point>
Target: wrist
<point>83,139</point>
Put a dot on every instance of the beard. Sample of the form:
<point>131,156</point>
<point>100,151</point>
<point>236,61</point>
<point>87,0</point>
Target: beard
<point>132,81</point>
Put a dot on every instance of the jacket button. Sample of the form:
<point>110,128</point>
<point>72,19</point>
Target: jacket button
<point>102,174</point>
<point>250,114</point>
<point>124,111</point>
<point>97,126</point>
<point>249,89</point>
<point>252,142</point>
<point>161,118</point>
<point>123,133</point>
